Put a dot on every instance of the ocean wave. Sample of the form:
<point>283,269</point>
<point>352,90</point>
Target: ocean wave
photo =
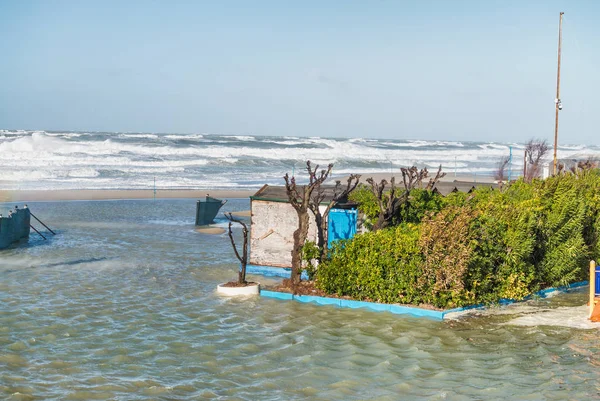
<point>139,136</point>
<point>241,137</point>
<point>187,137</point>
<point>40,159</point>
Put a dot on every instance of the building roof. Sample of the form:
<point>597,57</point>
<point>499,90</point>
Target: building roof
<point>279,194</point>
<point>444,187</point>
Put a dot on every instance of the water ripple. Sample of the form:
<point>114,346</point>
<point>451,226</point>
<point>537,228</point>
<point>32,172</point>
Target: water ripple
<point>129,312</point>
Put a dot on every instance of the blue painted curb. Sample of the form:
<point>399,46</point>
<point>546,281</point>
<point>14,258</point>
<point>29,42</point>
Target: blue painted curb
<point>270,271</point>
<point>277,295</point>
<point>347,303</point>
<point>400,309</point>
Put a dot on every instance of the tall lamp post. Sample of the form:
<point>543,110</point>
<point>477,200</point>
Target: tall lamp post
<point>558,104</point>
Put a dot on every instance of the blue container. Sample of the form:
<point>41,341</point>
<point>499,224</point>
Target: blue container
<point>341,224</point>
<point>15,227</point>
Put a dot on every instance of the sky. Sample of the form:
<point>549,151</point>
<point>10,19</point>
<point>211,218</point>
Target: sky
<point>443,70</point>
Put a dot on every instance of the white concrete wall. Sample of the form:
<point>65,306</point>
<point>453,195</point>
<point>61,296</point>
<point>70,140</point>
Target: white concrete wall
<point>546,170</point>
<point>271,234</point>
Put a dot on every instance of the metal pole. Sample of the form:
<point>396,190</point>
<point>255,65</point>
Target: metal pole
<point>37,231</point>
<point>557,101</point>
<point>41,222</point>
<point>454,166</point>
<point>154,187</point>
<point>510,164</point>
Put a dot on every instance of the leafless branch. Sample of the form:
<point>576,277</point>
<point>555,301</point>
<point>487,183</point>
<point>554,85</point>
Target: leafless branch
<point>244,257</point>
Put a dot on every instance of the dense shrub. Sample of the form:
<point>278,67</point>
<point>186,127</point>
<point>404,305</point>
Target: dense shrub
<point>481,247</point>
<point>419,204</point>
<point>367,204</point>
<point>446,248</point>
<point>381,266</point>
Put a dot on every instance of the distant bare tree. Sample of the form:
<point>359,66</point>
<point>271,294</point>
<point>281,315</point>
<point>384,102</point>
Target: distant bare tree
<point>500,174</point>
<point>588,164</point>
<point>535,151</point>
<point>390,202</point>
<point>318,196</point>
<point>300,199</point>
<point>434,180</point>
<point>243,258</point>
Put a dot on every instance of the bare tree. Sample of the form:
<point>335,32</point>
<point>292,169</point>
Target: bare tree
<point>434,180</point>
<point>500,174</point>
<point>387,202</point>
<point>300,199</point>
<point>243,258</point>
<point>318,196</point>
<point>587,164</point>
<point>390,202</point>
<point>535,151</point>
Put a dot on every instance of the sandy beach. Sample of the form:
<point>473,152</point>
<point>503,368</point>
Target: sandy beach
<point>106,194</point>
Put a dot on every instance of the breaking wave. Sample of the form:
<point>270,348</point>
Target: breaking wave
<point>70,160</point>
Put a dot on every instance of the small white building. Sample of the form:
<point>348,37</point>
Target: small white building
<point>274,220</point>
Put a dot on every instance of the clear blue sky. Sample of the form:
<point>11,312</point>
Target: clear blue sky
<point>450,70</point>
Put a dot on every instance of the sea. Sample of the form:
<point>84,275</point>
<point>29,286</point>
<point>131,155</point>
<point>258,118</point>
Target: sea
<point>116,160</point>
<point>121,303</point>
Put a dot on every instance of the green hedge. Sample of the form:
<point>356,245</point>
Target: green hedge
<point>381,266</point>
<point>463,250</point>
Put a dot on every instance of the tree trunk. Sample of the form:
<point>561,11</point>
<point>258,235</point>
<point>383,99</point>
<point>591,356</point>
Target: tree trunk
<point>299,239</point>
<point>382,222</point>
<point>325,247</point>
<point>321,230</point>
<point>242,272</point>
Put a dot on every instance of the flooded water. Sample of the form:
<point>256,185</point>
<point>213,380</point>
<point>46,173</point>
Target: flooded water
<point>121,305</point>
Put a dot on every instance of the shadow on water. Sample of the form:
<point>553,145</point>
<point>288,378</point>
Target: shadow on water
<point>75,262</point>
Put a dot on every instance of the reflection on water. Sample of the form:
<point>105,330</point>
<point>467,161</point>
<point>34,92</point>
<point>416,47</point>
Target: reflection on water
<point>122,305</point>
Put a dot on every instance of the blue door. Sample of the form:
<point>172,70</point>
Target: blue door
<point>341,224</point>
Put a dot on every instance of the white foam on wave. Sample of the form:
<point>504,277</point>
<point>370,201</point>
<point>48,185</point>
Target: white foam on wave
<point>573,317</point>
<point>502,147</point>
<point>37,141</point>
<point>40,145</point>
<point>140,136</point>
<point>35,175</point>
<point>83,172</point>
<point>241,137</point>
<point>419,143</point>
<point>288,142</point>
<point>183,136</point>
<point>533,314</point>
<point>64,134</point>
<point>108,160</point>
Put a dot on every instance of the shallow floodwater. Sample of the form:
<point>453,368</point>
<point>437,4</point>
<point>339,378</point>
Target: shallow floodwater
<point>121,304</point>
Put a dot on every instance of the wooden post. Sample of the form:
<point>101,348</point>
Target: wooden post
<point>557,101</point>
<point>592,286</point>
